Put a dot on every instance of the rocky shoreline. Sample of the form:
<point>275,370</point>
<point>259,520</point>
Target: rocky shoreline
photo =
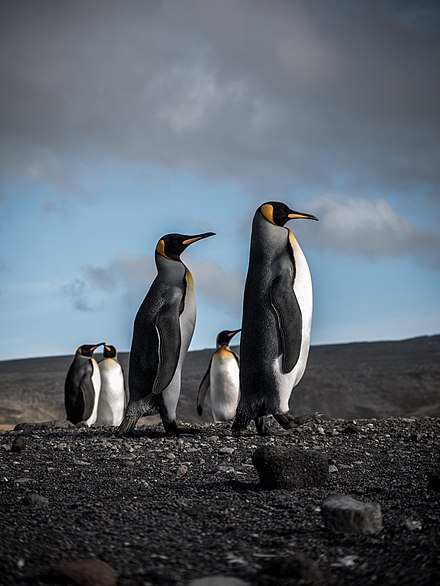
<point>172,510</point>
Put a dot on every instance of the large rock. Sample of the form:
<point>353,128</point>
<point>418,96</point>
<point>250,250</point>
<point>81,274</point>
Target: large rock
<point>83,573</point>
<point>344,514</point>
<point>280,467</point>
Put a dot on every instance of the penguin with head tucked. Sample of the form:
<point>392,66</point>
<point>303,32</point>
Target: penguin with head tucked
<point>221,380</point>
<point>82,386</point>
<point>113,396</point>
<point>162,332</point>
<point>277,319</point>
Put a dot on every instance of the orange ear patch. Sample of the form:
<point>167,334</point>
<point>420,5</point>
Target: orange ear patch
<point>160,248</point>
<point>267,211</point>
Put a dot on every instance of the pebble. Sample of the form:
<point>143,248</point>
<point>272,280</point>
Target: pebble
<point>181,470</point>
<point>226,450</point>
<point>88,572</point>
<point>35,499</point>
<point>332,468</point>
<point>413,524</point>
<point>281,468</point>
<point>170,456</point>
<point>344,514</point>
<point>19,444</point>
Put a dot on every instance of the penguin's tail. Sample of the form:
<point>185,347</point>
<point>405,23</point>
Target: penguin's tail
<point>127,426</point>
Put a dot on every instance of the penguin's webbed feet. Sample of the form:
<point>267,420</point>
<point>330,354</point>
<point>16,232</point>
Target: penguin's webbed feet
<point>262,427</point>
<point>127,426</point>
<point>170,427</point>
<point>286,420</point>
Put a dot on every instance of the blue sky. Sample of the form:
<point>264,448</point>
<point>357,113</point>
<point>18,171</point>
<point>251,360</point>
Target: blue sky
<point>123,121</point>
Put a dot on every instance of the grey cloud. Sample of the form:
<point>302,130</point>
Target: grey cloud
<point>270,94</point>
<point>128,278</point>
<point>361,227</point>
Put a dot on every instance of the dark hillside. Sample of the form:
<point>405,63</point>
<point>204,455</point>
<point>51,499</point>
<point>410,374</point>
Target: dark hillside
<point>374,379</point>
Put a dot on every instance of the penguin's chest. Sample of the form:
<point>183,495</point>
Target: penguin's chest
<point>187,318</point>
<point>224,386</point>
<point>112,379</point>
<point>96,382</point>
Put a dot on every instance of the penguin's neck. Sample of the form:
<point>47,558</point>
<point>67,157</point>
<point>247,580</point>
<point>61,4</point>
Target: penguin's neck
<point>268,240</point>
<point>172,270</point>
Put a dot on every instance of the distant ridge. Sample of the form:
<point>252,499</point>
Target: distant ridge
<point>359,379</point>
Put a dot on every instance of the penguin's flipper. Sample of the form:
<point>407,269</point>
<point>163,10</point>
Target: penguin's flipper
<point>237,357</point>
<point>126,392</point>
<point>168,333</point>
<point>203,389</point>
<point>88,395</point>
<point>287,309</point>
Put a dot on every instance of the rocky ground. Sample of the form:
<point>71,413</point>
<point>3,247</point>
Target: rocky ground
<point>169,510</point>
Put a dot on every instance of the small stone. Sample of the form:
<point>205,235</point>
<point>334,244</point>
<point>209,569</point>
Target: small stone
<point>218,580</point>
<point>350,429</point>
<point>434,481</point>
<point>226,450</point>
<point>83,573</point>
<point>413,524</point>
<point>181,470</point>
<point>320,430</point>
<point>170,456</point>
<point>35,499</point>
<point>344,514</point>
<point>280,467</point>
<point>415,437</point>
<point>332,469</point>
<point>212,438</point>
<point>19,444</point>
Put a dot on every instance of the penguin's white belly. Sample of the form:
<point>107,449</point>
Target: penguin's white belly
<point>224,386</point>
<point>96,382</point>
<point>187,321</point>
<point>112,396</point>
<point>304,294</point>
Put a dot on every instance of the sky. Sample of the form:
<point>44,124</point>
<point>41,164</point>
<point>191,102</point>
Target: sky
<point>124,121</point>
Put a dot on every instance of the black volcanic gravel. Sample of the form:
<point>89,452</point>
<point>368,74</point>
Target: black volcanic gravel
<point>167,510</point>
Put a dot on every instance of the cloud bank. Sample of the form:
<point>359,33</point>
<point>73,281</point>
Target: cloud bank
<point>273,95</point>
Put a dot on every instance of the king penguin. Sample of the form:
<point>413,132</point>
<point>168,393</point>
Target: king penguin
<point>82,386</point>
<point>277,319</point>
<point>221,380</point>
<point>113,395</point>
<point>162,331</point>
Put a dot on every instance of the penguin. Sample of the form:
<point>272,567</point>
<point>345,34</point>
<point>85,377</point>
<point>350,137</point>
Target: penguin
<point>113,395</point>
<point>277,319</point>
<point>162,331</point>
<point>82,386</point>
<point>221,380</point>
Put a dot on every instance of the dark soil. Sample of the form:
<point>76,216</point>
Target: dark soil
<point>167,510</point>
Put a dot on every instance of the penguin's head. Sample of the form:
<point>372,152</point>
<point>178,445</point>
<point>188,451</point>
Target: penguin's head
<point>278,213</point>
<point>87,350</point>
<point>172,245</point>
<point>109,351</point>
<point>224,337</point>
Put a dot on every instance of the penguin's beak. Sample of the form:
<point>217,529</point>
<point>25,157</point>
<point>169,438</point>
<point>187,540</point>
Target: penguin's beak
<point>93,348</point>
<point>293,215</point>
<point>192,239</point>
<point>232,334</point>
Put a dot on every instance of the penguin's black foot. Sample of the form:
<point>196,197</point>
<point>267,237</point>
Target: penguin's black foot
<point>286,420</point>
<point>262,428</point>
<point>238,426</point>
<point>127,426</point>
<point>170,427</point>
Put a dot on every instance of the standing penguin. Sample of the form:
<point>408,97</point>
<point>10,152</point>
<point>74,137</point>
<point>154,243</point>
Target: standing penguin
<point>277,319</point>
<point>162,332</point>
<point>113,395</point>
<point>221,380</point>
<point>82,386</point>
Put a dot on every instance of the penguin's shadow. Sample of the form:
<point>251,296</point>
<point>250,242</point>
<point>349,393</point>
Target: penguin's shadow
<point>154,434</point>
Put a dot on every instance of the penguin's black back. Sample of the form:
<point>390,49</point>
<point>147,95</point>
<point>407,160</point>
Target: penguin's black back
<point>80,370</point>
